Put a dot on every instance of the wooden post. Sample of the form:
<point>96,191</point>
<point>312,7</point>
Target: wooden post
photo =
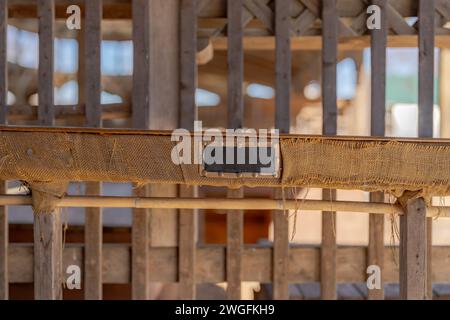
<point>47,240</point>
<point>48,256</point>
<point>413,251</point>
<point>329,100</point>
<point>426,97</point>
<point>188,114</point>
<point>282,123</point>
<point>235,119</point>
<point>47,225</point>
<point>141,120</point>
<point>93,222</point>
<point>375,252</point>
<point>3,116</point>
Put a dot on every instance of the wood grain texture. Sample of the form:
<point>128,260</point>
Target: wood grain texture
<point>140,119</point>
<point>141,64</point>
<point>235,239</point>
<point>3,120</point>
<point>48,256</point>
<point>4,244</point>
<point>282,123</point>
<point>140,255</point>
<point>329,127</point>
<point>426,23</point>
<point>375,252</point>
<point>3,62</point>
<point>235,120</point>
<point>413,251</point>
<point>46,16</point>
<point>304,263</point>
<point>92,89</point>
<point>235,64</point>
<point>92,62</point>
<point>93,238</point>
<point>187,255</point>
<point>188,114</point>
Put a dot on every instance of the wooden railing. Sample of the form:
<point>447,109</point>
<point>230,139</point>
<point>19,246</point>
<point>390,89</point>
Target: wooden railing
<point>165,75</point>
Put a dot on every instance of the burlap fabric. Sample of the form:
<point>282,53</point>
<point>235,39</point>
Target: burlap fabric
<point>395,166</point>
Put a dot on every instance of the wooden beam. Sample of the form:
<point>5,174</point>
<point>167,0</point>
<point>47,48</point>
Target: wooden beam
<point>235,120</point>
<point>46,12</point>
<point>426,96</point>
<point>282,123</point>
<point>315,42</point>
<point>188,114</point>
<point>93,216</point>
<point>329,127</point>
<point>413,251</point>
<point>375,252</point>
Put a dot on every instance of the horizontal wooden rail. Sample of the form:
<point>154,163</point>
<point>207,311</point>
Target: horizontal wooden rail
<point>223,203</point>
<point>304,263</point>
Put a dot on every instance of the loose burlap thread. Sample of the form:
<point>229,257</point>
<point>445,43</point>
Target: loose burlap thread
<point>322,162</point>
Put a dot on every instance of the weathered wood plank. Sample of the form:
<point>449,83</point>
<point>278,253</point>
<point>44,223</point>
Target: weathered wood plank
<point>3,62</point>
<point>304,263</point>
<point>141,64</point>
<point>92,89</point>
<point>3,121</point>
<point>140,254</point>
<point>4,243</point>
<point>426,67</point>
<point>235,239</point>
<point>235,120</point>
<point>329,127</point>
<point>375,253</point>
<point>93,235</point>
<point>48,256</point>
<point>282,123</point>
<point>235,64</point>
<point>188,114</point>
<point>46,13</point>
<point>141,119</point>
<point>426,22</point>
<point>92,62</point>
<point>413,251</point>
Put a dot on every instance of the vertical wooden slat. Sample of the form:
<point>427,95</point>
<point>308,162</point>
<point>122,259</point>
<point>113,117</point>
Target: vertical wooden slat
<point>426,96</point>
<point>47,227</point>
<point>92,61</point>
<point>378,112</point>
<point>413,251</point>
<point>141,120</point>
<point>3,62</point>
<point>282,123</point>
<point>329,97</point>
<point>46,15</point>
<point>3,116</point>
<point>235,110</point>
<point>3,246</point>
<point>188,114</point>
<point>93,223</point>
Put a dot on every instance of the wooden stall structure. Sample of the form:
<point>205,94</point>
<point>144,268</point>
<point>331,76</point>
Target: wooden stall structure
<point>166,37</point>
